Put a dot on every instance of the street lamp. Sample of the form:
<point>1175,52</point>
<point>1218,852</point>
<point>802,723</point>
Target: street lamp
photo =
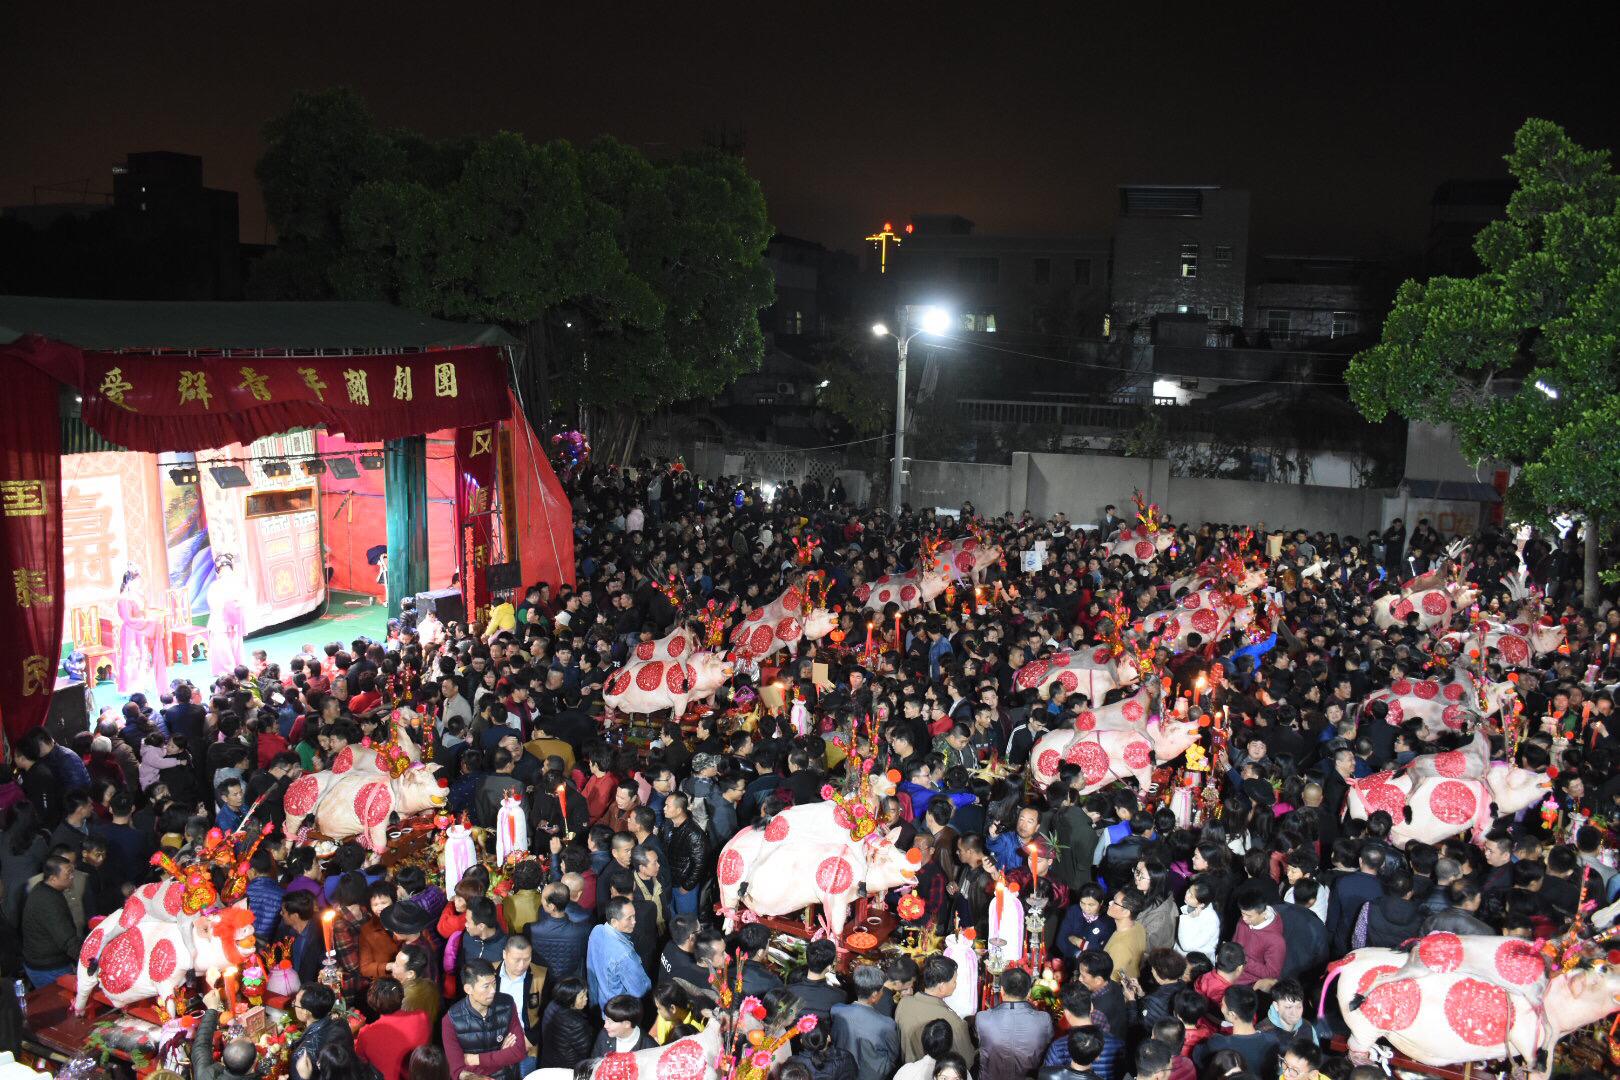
<point>930,320</point>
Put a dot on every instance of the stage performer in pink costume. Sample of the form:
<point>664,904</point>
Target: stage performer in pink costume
<point>142,663</point>
<point>225,618</point>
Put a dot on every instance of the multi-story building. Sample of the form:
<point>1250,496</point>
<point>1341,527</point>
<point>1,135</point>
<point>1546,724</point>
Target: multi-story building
<point>1003,284</point>
<point>1179,250</point>
<point>1311,299</point>
<point>163,236</point>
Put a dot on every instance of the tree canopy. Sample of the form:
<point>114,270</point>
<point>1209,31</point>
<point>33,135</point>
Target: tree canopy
<point>637,283</point>
<point>1521,360</point>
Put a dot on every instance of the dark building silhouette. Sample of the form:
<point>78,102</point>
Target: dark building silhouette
<point>1459,209</point>
<point>162,235</point>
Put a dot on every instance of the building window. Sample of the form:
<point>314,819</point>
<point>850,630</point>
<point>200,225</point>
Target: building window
<point>1223,254</point>
<point>1082,271</point>
<point>793,322</point>
<point>1218,313</point>
<point>1043,271</point>
<point>983,270</point>
<point>1279,321</point>
<point>1344,323</point>
<point>978,322</point>
<point>1189,260</point>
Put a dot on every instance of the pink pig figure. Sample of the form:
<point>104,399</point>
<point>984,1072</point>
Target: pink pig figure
<point>906,591</point>
<point>966,558</point>
<point>805,855</point>
<point>1449,1014</point>
<point>1092,671</point>
<point>691,1058</point>
<point>1107,751</point>
<point>644,687</point>
<point>134,960</point>
<point>781,623</point>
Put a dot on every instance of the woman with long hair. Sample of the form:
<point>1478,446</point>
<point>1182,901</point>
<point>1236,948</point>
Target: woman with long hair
<point>427,1063</point>
<point>567,1029</point>
<point>142,660</point>
<point>1158,919</point>
<point>227,617</point>
<point>338,1061</point>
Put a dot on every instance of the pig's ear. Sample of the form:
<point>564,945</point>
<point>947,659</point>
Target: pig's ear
<point>893,838</point>
<point>1577,982</point>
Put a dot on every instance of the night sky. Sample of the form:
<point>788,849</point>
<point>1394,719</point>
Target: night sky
<point>1340,119</point>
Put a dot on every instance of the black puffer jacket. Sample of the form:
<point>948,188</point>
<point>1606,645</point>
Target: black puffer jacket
<point>566,1037</point>
<point>688,855</point>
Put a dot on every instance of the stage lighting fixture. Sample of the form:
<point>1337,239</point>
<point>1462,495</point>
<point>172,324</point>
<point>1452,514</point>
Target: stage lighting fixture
<point>228,476</point>
<point>277,468</point>
<point>371,461</point>
<point>183,475</point>
<point>343,468</point>
<point>314,467</point>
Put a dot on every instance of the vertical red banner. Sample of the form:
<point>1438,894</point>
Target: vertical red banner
<point>30,544</point>
<point>475,499</point>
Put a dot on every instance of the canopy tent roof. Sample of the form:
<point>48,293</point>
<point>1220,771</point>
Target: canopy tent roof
<point>218,326</point>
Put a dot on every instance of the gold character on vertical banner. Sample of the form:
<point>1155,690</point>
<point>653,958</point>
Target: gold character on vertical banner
<point>31,586</point>
<point>36,676</point>
<point>313,380</point>
<point>402,383</point>
<point>444,380</point>
<point>354,380</point>
<point>480,553</point>
<point>478,503</point>
<point>88,555</point>
<point>23,498</point>
<point>482,440</point>
<point>114,386</point>
<point>255,384</point>
<point>194,387</point>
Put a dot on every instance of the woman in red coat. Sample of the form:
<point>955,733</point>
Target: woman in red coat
<point>388,1040</point>
<point>601,785</point>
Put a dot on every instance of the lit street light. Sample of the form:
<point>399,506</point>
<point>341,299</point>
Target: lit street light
<point>931,320</point>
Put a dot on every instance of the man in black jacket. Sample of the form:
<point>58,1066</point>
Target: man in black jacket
<point>1349,893</point>
<point>813,987</point>
<point>50,939</point>
<point>688,849</point>
<point>1392,918</point>
<point>559,939</point>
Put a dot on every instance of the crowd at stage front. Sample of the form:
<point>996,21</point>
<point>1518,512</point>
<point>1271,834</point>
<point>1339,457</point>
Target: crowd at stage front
<point>1191,923</point>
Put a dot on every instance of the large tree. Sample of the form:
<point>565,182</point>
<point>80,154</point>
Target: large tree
<point>1523,361</point>
<point>634,283</point>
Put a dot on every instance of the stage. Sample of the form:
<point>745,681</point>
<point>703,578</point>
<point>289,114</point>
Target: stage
<point>348,616</point>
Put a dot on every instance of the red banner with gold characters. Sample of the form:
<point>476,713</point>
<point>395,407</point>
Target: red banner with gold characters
<point>475,503</point>
<point>160,403</point>
<point>30,543</point>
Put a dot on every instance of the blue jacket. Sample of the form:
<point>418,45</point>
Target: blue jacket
<point>560,943</point>
<point>264,900</point>
<point>612,966</point>
<point>1006,849</point>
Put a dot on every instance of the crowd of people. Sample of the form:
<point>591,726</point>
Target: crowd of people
<point>1178,950</point>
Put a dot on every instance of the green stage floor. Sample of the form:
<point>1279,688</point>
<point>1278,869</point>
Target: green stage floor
<point>347,616</point>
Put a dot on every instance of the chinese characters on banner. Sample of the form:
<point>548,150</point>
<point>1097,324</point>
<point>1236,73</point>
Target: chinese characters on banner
<point>166,403</point>
<point>475,492</point>
<point>30,545</point>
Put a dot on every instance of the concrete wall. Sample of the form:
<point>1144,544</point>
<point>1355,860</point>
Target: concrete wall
<point>1302,506</point>
<point>1080,485</point>
<point>1432,453</point>
<point>951,483</point>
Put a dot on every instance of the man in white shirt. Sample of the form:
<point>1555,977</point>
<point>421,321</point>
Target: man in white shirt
<point>515,977</point>
<point>454,703</point>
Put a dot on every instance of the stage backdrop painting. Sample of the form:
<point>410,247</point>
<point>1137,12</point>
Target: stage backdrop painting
<point>112,521</point>
<point>354,516</point>
<point>185,533</point>
<point>272,527</point>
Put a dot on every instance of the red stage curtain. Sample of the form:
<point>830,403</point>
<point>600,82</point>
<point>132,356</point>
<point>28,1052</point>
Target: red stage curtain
<point>160,403</point>
<point>475,495</point>
<point>545,516</point>
<point>31,529</point>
